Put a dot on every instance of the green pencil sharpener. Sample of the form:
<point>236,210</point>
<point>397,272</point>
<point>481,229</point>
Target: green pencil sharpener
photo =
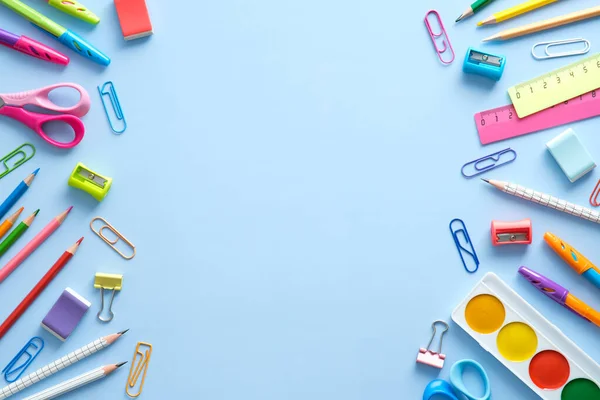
<point>90,182</point>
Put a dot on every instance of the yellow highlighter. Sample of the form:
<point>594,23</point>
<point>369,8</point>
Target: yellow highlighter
<point>515,11</point>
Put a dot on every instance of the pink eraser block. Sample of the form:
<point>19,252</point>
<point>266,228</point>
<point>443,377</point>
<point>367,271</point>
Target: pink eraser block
<point>134,18</point>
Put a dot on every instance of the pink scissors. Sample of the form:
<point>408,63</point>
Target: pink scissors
<point>12,105</point>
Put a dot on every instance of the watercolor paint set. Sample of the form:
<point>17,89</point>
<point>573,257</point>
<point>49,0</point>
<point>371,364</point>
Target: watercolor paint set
<point>537,352</point>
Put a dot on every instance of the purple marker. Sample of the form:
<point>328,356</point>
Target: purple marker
<point>32,47</point>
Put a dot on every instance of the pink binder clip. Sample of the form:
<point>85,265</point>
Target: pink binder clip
<point>430,357</point>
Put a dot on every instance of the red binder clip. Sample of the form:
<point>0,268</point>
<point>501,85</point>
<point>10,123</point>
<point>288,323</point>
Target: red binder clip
<point>430,357</point>
<point>518,232</point>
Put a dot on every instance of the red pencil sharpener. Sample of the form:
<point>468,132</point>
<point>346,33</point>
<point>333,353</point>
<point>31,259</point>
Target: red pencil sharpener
<point>518,232</point>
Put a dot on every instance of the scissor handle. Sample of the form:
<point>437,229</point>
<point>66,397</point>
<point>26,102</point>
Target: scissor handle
<point>36,121</point>
<point>39,97</point>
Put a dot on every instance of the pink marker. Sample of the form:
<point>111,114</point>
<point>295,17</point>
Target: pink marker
<point>32,47</point>
<point>33,244</point>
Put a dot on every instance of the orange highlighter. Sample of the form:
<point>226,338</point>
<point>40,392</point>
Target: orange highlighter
<point>575,259</point>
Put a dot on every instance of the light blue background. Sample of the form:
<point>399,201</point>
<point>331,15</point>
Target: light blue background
<point>288,176</point>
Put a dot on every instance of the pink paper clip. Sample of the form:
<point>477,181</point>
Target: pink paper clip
<point>594,195</point>
<point>443,35</point>
<point>430,357</point>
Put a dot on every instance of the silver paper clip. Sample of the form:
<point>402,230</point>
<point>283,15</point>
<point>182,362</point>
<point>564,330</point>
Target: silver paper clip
<point>12,372</point>
<point>486,163</point>
<point>433,358</point>
<point>549,45</point>
<point>447,47</point>
<point>471,252</point>
<point>116,105</point>
<point>14,161</point>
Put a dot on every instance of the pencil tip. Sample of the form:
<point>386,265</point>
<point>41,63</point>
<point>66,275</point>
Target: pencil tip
<point>488,39</point>
<point>69,209</point>
<point>36,212</point>
<point>121,364</point>
<point>459,18</point>
<point>485,180</point>
<point>480,23</point>
<point>20,210</point>
<point>36,171</point>
<point>123,332</point>
<point>79,241</point>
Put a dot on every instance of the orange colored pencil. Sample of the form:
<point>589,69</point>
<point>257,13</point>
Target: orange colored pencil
<point>9,222</point>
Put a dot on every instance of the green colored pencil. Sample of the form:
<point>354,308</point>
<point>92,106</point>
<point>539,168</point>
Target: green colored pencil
<point>473,8</point>
<point>17,233</point>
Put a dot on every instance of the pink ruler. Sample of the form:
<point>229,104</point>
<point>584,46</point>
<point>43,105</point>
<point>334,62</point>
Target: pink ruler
<point>503,123</point>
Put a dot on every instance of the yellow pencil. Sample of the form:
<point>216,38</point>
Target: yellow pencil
<point>547,24</point>
<point>515,11</point>
<point>9,222</point>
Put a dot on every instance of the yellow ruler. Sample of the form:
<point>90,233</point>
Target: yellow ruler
<point>557,86</point>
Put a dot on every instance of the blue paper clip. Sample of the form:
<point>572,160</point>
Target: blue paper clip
<point>10,370</point>
<point>488,162</point>
<point>116,106</point>
<point>459,246</point>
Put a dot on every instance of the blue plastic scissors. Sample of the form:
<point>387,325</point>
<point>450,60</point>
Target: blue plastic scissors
<point>446,390</point>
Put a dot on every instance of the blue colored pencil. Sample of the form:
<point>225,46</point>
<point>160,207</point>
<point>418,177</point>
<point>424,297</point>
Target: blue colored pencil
<point>16,194</point>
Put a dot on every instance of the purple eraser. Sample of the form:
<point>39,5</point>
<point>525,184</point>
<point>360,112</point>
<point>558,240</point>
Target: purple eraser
<point>65,314</point>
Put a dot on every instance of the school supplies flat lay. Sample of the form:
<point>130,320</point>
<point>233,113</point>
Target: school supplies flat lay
<point>525,342</point>
<point>13,106</point>
<point>55,113</point>
<point>60,364</point>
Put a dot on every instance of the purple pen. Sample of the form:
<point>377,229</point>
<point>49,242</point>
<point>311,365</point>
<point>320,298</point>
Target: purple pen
<point>558,293</point>
<point>32,47</point>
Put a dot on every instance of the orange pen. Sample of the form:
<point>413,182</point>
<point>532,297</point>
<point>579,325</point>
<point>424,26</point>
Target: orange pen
<point>575,259</point>
<point>9,222</point>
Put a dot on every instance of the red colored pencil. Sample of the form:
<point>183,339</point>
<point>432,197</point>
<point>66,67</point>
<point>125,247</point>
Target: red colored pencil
<point>39,288</point>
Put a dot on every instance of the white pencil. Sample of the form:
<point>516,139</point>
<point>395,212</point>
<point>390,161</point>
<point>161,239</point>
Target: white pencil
<point>59,364</point>
<point>546,200</point>
<point>75,383</point>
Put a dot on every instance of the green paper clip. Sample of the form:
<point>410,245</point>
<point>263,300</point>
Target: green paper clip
<point>16,152</point>
<point>90,182</point>
<point>76,10</point>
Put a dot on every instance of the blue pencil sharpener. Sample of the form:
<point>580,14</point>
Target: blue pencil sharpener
<point>484,64</point>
